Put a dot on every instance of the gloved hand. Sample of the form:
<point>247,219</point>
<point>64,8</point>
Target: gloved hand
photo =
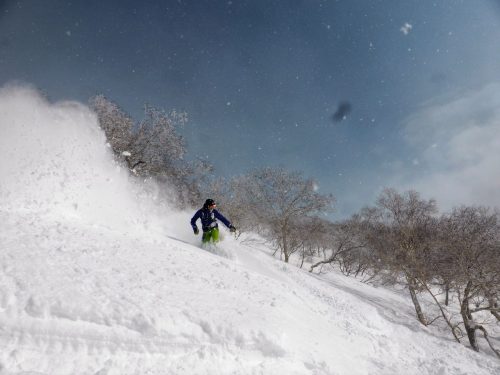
<point>196,231</point>
<point>232,229</point>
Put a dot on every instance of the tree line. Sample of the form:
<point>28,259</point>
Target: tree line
<point>402,239</point>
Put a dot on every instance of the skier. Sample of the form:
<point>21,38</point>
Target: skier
<point>209,215</point>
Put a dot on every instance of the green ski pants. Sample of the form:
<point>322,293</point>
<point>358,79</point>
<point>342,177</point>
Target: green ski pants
<point>211,235</point>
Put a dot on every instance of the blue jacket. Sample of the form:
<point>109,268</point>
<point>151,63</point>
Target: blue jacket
<point>208,219</point>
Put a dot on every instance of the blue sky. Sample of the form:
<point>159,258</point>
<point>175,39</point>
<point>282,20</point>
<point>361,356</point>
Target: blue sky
<point>261,81</point>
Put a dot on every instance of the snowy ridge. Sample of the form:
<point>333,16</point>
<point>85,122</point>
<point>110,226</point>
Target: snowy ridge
<point>93,283</point>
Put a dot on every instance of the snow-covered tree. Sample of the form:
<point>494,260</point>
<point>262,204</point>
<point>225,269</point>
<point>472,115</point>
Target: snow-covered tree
<point>400,230</point>
<point>117,125</point>
<point>280,200</point>
<point>347,246</point>
<point>470,250</point>
<point>153,148</point>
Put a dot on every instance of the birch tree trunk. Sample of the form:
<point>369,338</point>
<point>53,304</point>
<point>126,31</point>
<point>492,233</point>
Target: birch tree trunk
<point>470,326</point>
<point>413,293</point>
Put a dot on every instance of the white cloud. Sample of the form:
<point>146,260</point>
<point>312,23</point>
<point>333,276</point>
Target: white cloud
<point>458,148</point>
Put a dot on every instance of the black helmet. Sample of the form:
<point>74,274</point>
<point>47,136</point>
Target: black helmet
<point>208,203</point>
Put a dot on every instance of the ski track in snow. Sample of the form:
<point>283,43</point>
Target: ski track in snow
<point>78,300</point>
<point>385,320</point>
<point>84,301</point>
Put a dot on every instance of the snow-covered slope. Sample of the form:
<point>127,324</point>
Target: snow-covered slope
<point>93,283</point>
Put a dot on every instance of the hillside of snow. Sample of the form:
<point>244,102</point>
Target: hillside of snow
<point>98,277</point>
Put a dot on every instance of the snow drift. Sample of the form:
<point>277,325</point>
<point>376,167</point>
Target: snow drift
<point>94,279</point>
<point>54,160</point>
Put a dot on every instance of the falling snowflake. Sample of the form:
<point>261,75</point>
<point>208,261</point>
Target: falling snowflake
<point>406,28</point>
